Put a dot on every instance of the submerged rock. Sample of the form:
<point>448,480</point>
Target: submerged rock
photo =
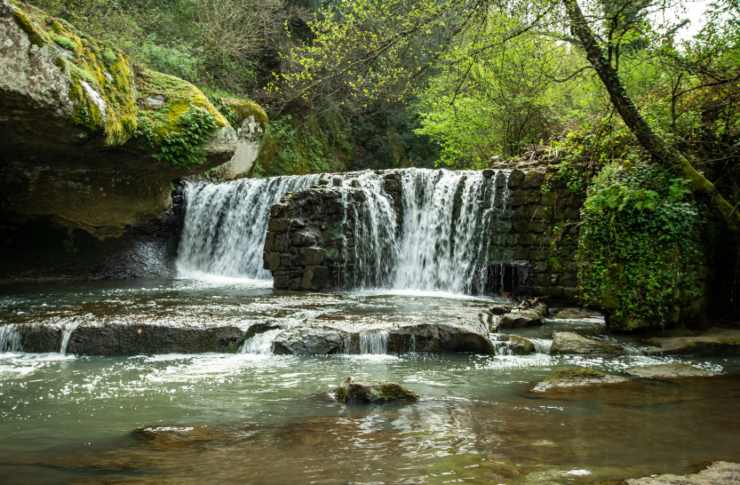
<point>173,436</point>
<point>355,393</point>
<point>577,377</point>
<point>712,342</point>
<point>719,473</point>
<point>668,371</point>
<point>572,343</point>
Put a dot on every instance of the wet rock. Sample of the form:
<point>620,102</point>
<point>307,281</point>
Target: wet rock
<point>576,377</point>
<point>355,393</point>
<point>310,340</point>
<point>574,313</point>
<point>169,437</point>
<point>668,371</point>
<point>513,345</point>
<point>126,339</point>
<point>523,317</point>
<point>500,309</point>
<point>712,342</point>
<point>572,343</point>
<point>40,338</point>
<point>440,338</point>
<point>719,473</point>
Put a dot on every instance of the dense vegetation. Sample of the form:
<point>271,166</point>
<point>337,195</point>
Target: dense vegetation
<point>642,119</point>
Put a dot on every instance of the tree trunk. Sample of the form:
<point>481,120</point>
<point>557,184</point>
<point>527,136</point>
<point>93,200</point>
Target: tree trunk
<point>661,152</point>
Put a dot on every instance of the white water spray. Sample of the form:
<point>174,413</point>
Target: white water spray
<point>226,224</point>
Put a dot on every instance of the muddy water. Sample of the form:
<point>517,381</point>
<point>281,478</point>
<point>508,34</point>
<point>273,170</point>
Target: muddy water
<point>253,418</point>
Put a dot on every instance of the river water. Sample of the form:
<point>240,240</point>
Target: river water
<point>261,418</point>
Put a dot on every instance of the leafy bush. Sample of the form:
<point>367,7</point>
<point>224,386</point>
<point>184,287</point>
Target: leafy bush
<point>640,255</point>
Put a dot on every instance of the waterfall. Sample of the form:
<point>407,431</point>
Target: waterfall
<point>374,231</point>
<point>374,342</point>
<point>406,229</point>
<point>226,224</point>
<point>449,218</point>
<point>260,343</point>
<point>10,339</point>
<point>67,330</point>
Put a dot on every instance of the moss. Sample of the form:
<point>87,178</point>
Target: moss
<point>101,81</point>
<point>64,42</point>
<point>394,392</point>
<point>572,373</point>
<point>37,35</point>
<point>178,128</point>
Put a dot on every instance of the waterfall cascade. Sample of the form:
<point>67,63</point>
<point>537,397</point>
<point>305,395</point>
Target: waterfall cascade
<point>260,343</point>
<point>10,339</point>
<point>374,342</point>
<point>226,224</point>
<point>415,229</point>
<point>67,330</point>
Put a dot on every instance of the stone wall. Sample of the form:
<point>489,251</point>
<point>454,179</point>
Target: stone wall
<point>537,255</point>
<point>531,252</point>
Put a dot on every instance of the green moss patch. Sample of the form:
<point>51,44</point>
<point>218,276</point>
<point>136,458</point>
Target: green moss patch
<point>236,110</point>
<point>101,81</point>
<point>175,118</point>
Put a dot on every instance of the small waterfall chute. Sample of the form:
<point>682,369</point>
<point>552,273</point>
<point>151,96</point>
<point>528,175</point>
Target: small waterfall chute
<point>373,342</point>
<point>260,343</point>
<point>67,330</point>
<point>10,339</point>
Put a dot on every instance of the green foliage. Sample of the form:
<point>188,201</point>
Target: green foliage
<point>640,253</point>
<point>183,146</point>
<point>295,148</point>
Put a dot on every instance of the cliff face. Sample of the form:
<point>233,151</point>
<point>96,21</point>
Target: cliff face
<point>91,142</point>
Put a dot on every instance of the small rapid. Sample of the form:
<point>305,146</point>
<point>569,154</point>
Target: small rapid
<point>10,339</point>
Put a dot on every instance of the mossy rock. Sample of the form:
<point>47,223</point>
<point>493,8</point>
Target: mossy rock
<point>102,85</point>
<point>355,393</point>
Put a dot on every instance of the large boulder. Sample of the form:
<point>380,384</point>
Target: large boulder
<point>88,140</point>
<point>440,338</point>
<point>572,343</point>
<point>526,316</point>
<point>310,340</point>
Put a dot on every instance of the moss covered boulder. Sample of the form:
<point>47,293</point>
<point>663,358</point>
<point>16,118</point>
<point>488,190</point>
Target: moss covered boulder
<point>355,393</point>
<point>90,140</point>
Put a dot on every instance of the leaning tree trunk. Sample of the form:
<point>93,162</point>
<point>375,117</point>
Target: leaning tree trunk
<point>660,151</point>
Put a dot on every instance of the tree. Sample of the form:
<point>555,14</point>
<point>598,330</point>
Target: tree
<point>660,151</point>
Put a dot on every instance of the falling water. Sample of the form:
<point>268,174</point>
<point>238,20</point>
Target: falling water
<point>260,343</point>
<point>10,339</point>
<point>448,218</point>
<point>374,237</point>
<point>226,224</point>
<point>433,232</point>
<point>374,342</point>
<point>67,330</point>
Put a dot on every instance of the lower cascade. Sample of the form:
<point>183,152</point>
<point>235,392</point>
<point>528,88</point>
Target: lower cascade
<point>374,342</point>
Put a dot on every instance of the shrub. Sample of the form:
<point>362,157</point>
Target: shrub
<point>640,256</point>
